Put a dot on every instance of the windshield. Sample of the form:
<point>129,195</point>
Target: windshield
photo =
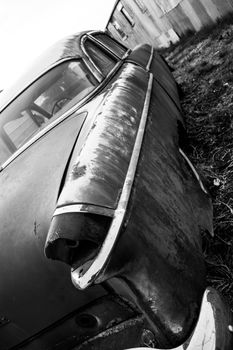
<point>41,103</point>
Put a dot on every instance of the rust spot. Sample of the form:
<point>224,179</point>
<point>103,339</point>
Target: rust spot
<point>79,171</point>
<point>35,228</point>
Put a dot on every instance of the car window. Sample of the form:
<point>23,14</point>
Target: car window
<point>111,44</point>
<point>104,61</point>
<point>43,102</point>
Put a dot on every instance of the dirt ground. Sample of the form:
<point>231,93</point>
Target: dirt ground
<point>203,67</point>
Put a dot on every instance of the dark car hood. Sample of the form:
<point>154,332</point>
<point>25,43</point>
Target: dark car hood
<point>34,291</point>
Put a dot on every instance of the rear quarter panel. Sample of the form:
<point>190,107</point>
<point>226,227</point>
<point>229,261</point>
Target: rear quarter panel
<point>34,291</point>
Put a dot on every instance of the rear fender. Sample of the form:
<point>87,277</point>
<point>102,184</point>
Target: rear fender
<point>130,192</point>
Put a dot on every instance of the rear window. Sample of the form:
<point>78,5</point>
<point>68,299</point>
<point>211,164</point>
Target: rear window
<point>104,61</point>
<point>42,102</point>
<point>111,44</point>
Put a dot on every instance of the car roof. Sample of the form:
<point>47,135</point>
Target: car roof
<point>66,48</point>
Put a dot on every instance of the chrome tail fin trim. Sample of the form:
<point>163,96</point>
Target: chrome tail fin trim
<point>85,275</point>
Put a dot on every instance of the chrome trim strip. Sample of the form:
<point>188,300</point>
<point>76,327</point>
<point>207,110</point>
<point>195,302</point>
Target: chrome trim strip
<point>150,59</point>
<point>126,54</point>
<point>109,49</point>
<point>98,40</point>
<point>86,274</point>
<point>84,208</point>
<point>193,170</point>
<point>106,48</point>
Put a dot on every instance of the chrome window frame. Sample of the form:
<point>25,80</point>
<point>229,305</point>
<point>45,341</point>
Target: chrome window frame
<point>102,47</point>
<point>127,50</point>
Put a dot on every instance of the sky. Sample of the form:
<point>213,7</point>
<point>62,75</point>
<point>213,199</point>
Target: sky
<point>28,27</point>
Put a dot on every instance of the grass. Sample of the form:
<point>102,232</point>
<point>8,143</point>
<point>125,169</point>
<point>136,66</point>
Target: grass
<point>203,68</point>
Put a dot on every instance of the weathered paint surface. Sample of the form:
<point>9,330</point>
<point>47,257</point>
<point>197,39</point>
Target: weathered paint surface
<point>212,331</point>
<point>97,172</point>
<point>127,334</point>
<point>158,253</point>
<point>98,169</point>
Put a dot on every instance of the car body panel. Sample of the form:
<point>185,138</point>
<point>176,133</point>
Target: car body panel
<point>162,75</point>
<point>82,323</point>
<point>142,55</point>
<point>43,158</point>
<point>24,270</point>
<point>159,240</point>
<point>97,172</point>
<point>158,253</point>
<point>213,330</point>
<point>111,162</point>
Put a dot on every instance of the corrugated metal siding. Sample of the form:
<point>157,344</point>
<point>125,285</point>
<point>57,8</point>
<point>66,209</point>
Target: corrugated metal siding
<point>160,21</point>
<point>223,6</point>
<point>210,9</point>
<point>179,20</point>
<point>201,13</point>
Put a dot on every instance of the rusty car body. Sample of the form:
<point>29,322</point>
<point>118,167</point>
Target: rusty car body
<point>96,191</point>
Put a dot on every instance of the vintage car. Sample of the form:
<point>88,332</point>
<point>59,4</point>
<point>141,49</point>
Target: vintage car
<point>101,211</point>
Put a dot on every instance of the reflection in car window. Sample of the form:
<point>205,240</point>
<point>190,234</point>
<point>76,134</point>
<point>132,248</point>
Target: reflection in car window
<point>111,44</point>
<point>42,102</point>
<point>100,57</point>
